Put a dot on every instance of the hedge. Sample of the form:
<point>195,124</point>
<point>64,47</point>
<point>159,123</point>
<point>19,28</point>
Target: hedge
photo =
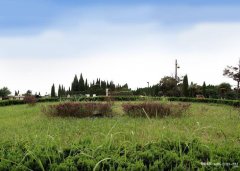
<point>97,98</point>
<point>11,102</point>
<point>235,103</point>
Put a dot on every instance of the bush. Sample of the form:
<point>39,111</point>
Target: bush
<point>235,103</point>
<point>30,100</point>
<point>11,102</point>
<point>75,109</point>
<point>154,109</point>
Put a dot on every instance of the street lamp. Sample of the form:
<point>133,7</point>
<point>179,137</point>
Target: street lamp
<point>148,88</point>
<point>176,68</point>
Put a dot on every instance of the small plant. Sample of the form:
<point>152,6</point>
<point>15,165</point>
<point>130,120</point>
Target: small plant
<point>154,109</point>
<point>76,109</point>
<point>30,100</point>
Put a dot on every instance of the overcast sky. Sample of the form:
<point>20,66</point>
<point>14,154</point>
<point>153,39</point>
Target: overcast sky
<point>128,41</point>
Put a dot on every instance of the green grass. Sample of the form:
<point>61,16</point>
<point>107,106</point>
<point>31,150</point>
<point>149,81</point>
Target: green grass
<point>212,125</point>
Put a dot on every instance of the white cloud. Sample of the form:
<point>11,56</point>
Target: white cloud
<point>123,52</point>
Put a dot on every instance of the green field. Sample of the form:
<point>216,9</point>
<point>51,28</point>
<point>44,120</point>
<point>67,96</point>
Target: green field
<point>215,127</point>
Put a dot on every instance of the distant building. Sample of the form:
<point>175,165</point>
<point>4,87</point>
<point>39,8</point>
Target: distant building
<point>15,97</point>
<point>19,97</point>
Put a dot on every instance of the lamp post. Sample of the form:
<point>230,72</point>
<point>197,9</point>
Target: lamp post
<point>176,68</point>
<point>148,88</point>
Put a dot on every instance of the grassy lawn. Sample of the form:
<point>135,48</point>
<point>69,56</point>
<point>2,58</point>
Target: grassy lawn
<point>213,125</point>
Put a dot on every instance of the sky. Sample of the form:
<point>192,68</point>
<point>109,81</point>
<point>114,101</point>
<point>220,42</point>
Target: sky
<point>127,41</point>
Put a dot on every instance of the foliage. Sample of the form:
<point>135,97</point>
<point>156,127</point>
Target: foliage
<point>223,89</point>
<point>28,93</point>
<point>61,91</point>
<point>168,87</point>
<point>4,92</point>
<point>75,109</point>
<point>235,103</point>
<point>185,86</point>
<point>194,90</point>
<point>233,72</point>
<point>53,92</point>
<point>153,109</point>
<point>11,102</point>
<point>204,89</point>
<point>81,85</point>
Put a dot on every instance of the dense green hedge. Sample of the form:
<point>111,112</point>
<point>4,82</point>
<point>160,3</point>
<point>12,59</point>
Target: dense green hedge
<point>235,103</point>
<point>164,155</point>
<point>97,98</point>
<point>11,102</point>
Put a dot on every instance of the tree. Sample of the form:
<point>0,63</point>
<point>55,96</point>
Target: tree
<point>223,89</point>
<point>211,91</point>
<point>185,86</point>
<point>81,86</point>
<point>234,73</point>
<point>75,84</point>
<point>28,93</point>
<point>59,91</point>
<point>86,85</point>
<point>194,90</point>
<point>53,93</point>
<point>204,89</point>
<point>168,86</point>
<point>4,92</point>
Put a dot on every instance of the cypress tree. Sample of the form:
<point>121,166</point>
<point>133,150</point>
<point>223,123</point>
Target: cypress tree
<point>62,91</point>
<point>86,84</point>
<point>81,83</point>
<point>112,86</point>
<point>204,89</point>
<point>185,86</point>
<point>103,85</point>
<point>75,84</point>
<point>59,91</point>
<point>53,93</point>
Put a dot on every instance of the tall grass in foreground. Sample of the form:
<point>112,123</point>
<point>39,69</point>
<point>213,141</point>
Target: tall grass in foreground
<point>163,155</point>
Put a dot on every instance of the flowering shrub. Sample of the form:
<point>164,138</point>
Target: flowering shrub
<point>31,100</point>
<point>75,109</point>
<point>154,109</point>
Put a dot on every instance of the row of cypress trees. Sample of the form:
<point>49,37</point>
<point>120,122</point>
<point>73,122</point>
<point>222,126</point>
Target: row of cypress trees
<point>81,86</point>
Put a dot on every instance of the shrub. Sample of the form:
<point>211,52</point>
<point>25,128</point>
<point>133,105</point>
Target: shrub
<point>30,100</point>
<point>235,103</point>
<point>11,102</point>
<point>75,109</point>
<point>154,109</point>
